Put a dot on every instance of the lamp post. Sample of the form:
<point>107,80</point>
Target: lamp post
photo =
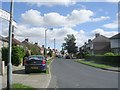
<point>9,66</point>
<point>46,40</point>
<point>54,43</point>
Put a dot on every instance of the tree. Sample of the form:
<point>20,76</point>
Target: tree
<point>70,44</point>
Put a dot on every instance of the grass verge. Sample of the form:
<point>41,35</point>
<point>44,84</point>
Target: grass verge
<point>19,86</point>
<point>93,64</point>
<point>48,64</point>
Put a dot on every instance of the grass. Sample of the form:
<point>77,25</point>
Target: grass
<point>48,64</point>
<point>19,86</point>
<point>93,64</point>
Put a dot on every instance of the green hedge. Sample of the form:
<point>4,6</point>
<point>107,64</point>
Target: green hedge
<point>111,60</point>
<point>17,55</point>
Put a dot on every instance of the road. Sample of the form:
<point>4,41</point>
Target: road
<point>69,74</point>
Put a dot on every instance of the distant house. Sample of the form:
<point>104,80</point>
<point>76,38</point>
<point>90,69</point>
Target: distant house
<point>34,48</point>
<point>3,42</point>
<point>99,45</point>
<point>115,43</point>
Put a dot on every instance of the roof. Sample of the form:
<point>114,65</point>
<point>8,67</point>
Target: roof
<point>3,39</point>
<point>15,41</point>
<point>117,36</point>
<point>101,38</point>
<point>35,49</point>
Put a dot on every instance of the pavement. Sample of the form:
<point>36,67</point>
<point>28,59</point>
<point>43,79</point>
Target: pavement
<point>35,80</point>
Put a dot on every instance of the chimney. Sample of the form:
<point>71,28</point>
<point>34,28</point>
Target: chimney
<point>89,40</point>
<point>42,46</point>
<point>36,43</point>
<point>26,39</point>
<point>96,35</point>
<point>12,35</point>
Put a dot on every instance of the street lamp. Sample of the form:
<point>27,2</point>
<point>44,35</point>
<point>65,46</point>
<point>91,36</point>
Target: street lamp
<point>9,66</point>
<point>46,39</point>
<point>54,43</point>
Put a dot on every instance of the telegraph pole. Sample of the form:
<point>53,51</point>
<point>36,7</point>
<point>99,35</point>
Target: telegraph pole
<point>54,43</point>
<point>9,66</point>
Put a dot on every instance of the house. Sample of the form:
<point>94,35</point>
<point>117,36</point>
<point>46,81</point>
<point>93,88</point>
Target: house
<point>14,41</point>
<point>33,48</point>
<point>3,42</point>
<point>115,43</point>
<point>99,45</point>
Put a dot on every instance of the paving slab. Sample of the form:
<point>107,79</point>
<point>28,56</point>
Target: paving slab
<point>36,80</point>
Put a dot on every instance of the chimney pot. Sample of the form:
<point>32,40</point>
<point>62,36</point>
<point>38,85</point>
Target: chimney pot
<point>97,34</point>
<point>12,35</point>
<point>26,39</point>
<point>36,43</point>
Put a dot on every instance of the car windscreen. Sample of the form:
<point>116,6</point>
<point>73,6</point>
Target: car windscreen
<point>36,58</point>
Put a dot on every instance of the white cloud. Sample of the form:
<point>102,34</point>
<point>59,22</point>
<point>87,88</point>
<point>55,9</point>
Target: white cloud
<point>34,18</point>
<point>38,35</point>
<point>100,18</point>
<point>53,2</point>
<point>59,2</point>
<point>103,32</point>
<point>113,25</point>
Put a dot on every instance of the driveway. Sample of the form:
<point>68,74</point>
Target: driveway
<point>69,74</point>
<point>36,80</point>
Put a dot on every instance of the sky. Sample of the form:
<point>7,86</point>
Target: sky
<point>83,19</point>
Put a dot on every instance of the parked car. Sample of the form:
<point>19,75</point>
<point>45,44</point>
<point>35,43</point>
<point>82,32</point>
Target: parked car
<point>67,57</point>
<point>35,63</point>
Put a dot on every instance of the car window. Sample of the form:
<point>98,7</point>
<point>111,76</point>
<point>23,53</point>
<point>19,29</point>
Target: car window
<point>36,57</point>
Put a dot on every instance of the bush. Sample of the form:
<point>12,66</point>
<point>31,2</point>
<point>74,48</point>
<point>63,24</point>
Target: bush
<point>5,55</point>
<point>109,54</point>
<point>17,55</point>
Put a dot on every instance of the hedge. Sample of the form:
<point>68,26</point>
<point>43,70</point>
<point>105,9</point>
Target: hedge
<point>111,60</point>
<point>17,55</point>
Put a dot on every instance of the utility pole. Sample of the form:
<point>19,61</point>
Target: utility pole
<point>45,48</point>
<point>9,66</point>
<point>54,43</point>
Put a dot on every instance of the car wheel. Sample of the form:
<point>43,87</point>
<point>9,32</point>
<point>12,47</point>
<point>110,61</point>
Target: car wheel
<point>44,71</point>
<point>27,72</point>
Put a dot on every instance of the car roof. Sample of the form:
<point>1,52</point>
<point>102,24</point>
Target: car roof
<point>36,56</point>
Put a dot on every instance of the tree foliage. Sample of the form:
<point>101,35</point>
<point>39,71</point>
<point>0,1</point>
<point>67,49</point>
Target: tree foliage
<point>17,55</point>
<point>70,44</point>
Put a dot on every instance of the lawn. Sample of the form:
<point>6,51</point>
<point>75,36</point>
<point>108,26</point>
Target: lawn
<point>93,64</point>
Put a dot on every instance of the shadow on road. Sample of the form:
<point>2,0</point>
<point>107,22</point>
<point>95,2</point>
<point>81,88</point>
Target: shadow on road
<point>22,71</point>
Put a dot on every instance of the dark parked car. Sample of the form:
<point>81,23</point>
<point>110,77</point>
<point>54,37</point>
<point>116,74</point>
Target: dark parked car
<point>35,63</point>
<point>67,57</point>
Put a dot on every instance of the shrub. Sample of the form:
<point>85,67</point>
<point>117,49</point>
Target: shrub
<point>5,55</point>
<point>17,55</point>
<point>109,54</point>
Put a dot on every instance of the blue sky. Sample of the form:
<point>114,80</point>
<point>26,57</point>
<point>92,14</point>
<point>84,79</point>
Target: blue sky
<point>83,19</point>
